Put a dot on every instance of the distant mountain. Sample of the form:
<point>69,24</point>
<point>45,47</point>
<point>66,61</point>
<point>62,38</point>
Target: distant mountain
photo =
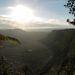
<point>8,23</point>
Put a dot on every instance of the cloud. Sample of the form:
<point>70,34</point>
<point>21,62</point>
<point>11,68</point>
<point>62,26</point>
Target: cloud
<point>50,21</point>
<point>56,21</point>
<point>38,19</point>
<point>6,23</point>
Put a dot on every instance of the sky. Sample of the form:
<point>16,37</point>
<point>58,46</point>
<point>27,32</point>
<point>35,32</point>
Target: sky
<point>51,11</point>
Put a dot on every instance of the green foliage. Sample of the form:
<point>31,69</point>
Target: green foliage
<point>9,39</point>
<point>8,68</point>
<point>12,40</point>
<point>4,66</point>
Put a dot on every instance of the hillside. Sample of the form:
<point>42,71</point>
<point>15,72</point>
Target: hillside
<point>62,44</point>
<point>39,51</point>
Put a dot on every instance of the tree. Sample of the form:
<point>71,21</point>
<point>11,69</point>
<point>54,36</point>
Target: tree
<point>4,66</point>
<point>71,6</point>
<point>9,68</point>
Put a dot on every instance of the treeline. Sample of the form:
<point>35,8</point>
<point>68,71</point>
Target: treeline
<point>9,68</point>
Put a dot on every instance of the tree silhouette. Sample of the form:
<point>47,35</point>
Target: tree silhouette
<point>71,6</point>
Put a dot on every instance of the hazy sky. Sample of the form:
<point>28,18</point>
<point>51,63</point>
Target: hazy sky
<point>51,10</point>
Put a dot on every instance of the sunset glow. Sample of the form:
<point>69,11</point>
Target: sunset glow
<point>21,13</point>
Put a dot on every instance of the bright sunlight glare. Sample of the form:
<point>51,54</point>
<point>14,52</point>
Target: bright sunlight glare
<point>21,13</point>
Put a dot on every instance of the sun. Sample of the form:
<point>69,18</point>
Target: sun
<point>21,13</point>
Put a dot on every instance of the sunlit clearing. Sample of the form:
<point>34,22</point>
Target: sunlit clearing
<point>21,13</point>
